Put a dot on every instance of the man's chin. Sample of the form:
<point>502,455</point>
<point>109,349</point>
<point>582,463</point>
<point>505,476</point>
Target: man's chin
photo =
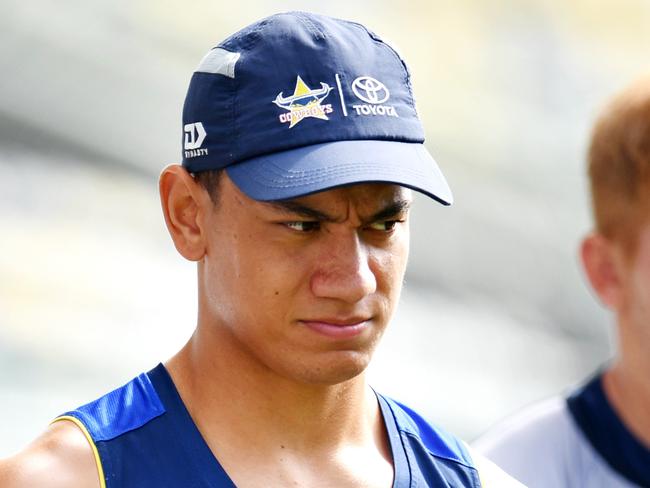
<point>340,367</point>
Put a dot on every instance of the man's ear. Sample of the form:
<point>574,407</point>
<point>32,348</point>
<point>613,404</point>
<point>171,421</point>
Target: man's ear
<point>602,265</point>
<point>182,203</point>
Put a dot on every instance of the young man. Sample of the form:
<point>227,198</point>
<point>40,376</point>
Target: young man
<point>599,436</point>
<point>301,142</point>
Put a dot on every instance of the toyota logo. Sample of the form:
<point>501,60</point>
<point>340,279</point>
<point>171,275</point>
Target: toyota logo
<point>370,90</point>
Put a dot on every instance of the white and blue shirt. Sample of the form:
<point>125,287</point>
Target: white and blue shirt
<point>578,441</point>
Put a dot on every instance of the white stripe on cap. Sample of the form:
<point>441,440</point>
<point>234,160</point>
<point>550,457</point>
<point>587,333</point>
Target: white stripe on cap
<point>220,62</point>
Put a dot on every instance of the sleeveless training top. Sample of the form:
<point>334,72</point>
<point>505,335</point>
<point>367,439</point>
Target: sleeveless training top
<point>143,436</point>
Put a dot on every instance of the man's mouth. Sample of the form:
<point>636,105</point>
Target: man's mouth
<point>338,328</point>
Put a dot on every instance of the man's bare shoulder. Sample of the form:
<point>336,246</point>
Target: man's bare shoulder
<point>60,457</point>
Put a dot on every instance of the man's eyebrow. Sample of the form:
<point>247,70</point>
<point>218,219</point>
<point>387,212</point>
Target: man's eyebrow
<point>303,210</point>
<point>391,210</point>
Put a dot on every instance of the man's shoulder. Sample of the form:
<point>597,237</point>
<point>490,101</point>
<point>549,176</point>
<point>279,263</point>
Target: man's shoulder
<point>491,475</point>
<point>122,410</point>
<point>66,454</point>
<point>427,440</point>
<point>539,445</point>
<point>60,457</point>
<point>73,450</point>
<point>535,426</point>
<point>545,445</point>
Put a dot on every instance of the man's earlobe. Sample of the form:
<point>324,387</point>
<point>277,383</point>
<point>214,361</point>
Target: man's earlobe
<point>601,266</point>
<point>181,203</point>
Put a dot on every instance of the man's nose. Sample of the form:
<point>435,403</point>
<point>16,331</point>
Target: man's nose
<point>345,271</point>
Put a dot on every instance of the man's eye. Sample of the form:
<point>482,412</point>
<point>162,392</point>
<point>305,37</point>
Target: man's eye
<point>304,225</point>
<point>384,225</point>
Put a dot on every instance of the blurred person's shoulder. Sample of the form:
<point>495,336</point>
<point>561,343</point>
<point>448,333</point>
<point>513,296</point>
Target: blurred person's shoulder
<point>534,445</point>
<point>491,475</point>
<point>565,442</point>
<point>60,457</point>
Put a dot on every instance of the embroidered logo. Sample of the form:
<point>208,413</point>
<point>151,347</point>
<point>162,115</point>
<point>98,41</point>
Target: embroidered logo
<point>304,103</point>
<point>374,93</point>
<point>370,90</point>
<point>194,137</point>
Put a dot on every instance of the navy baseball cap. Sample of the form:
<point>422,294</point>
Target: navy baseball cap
<point>299,103</point>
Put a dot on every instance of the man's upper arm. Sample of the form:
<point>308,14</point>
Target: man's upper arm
<point>60,457</point>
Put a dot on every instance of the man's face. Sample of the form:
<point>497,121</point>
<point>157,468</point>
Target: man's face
<point>305,288</point>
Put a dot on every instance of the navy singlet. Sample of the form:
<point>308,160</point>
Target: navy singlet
<point>143,436</point>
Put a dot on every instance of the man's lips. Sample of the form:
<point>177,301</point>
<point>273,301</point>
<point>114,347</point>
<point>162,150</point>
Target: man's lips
<point>338,328</point>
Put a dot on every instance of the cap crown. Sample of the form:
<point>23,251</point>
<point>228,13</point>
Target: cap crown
<point>293,80</point>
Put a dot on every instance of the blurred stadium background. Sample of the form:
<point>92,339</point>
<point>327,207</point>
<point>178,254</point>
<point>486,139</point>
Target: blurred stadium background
<point>495,312</point>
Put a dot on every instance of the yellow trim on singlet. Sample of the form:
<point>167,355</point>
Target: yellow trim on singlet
<point>98,461</point>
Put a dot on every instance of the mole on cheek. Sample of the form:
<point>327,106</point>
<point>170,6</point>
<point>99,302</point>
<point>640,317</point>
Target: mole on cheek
<point>276,292</point>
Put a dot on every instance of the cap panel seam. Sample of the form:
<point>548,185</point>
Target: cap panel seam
<point>311,26</point>
<point>246,39</point>
<point>406,74</point>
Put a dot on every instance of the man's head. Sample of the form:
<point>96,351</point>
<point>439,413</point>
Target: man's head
<point>301,145</point>
<point>617,255</point>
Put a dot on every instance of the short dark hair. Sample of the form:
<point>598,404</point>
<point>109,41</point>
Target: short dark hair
<point>210,180</point>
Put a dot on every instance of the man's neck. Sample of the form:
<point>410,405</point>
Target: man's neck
<point>225,398</point>
<point>627,387</point>
<point>258,424</point>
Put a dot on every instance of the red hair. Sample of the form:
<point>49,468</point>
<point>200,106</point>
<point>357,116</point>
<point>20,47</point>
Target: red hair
<point>619,166</point>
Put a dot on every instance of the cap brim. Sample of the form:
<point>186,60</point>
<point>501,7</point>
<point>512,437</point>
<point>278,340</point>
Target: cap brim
<point>310,169</point>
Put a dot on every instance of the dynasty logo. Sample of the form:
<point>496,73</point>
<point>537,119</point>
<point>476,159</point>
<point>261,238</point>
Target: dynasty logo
<point>194,137</point>
<point>304,103</point>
